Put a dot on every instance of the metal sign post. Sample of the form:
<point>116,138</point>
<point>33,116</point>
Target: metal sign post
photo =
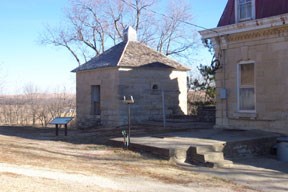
<point>61,121</point>
<point>128,102</point>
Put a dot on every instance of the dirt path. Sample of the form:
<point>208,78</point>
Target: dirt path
<point>43,165</point>
<point>81,182</point>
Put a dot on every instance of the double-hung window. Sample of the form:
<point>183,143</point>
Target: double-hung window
<point>245,10</point>
<point>246,87</point>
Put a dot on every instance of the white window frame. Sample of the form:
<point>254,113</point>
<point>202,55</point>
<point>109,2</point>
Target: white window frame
<point>237,12</point>
<point>239,86</point>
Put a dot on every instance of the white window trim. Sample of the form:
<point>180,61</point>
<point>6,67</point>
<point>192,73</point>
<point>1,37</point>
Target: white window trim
<point>238,86</point>
<point>237,17</point>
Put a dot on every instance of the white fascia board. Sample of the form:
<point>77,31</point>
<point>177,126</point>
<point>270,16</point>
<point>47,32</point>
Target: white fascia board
<point>124,69</point>
<point>279,20</point>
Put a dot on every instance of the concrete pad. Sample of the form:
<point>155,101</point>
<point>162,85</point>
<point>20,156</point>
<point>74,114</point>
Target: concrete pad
<point>245,142</point>
<point>260,173</point>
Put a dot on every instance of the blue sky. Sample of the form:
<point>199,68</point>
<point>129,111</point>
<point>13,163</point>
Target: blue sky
<point>24,61</point>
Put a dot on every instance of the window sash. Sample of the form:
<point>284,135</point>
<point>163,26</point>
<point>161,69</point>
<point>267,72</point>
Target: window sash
<point>247,75</point>
<point>246,87</point>
<point>247,99</point>
<point>244,9</point>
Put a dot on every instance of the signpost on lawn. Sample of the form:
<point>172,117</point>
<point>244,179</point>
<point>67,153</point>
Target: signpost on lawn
<point>128,102</point>
<point>61,121</point>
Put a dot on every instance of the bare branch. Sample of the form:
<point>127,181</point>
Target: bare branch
<point>94,25</point>
<point>59,38</point>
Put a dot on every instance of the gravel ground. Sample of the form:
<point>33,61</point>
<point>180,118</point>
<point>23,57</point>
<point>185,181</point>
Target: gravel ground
<point>46,165</point>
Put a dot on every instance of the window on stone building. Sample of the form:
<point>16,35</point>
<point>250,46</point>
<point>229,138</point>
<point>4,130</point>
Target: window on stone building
<point>246,87</point>
<point>95,100</point>
<point>245,10</point>
<point>154,87</point>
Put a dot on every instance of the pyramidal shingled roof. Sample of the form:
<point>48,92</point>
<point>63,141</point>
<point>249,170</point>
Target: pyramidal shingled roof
<point>129,54</point>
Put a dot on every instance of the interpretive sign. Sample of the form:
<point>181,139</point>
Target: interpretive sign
<point>61,121</point>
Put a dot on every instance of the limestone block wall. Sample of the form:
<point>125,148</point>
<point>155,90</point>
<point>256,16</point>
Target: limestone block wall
<point>146,86</point>
<point>108,80</point>
<point>268,49</point>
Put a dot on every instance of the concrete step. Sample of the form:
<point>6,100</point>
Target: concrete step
<point>200,149</point>
<point>178,154</point>
<point>223,164</point>
<point>218,147</point>
<point>207,157</point>
<point>219,164</point>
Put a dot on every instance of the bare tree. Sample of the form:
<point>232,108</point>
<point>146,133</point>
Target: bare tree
<point>175,37</point>
<point>61,37</point>
<point>31,96</point>
<point>61,104</point>
<point>93,25</point>
<point>35,108</point>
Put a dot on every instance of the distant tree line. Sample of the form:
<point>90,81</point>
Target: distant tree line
<point>35,109</point>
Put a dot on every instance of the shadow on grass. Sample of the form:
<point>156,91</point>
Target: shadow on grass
<point>74,136</point>
<point>102,136</point>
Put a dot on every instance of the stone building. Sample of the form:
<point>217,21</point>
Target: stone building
<point>130,68</point>
<point>251,43</point>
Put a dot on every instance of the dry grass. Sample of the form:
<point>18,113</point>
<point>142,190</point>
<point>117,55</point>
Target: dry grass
<point>91,159</point>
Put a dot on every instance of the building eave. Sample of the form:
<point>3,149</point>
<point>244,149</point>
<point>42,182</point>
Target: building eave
<point>96,69</point>
<point>275,21</point>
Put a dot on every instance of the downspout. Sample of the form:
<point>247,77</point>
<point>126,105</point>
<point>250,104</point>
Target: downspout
<point>224,84</point>
<point>222,55</point>
<point>222,46</point>
<point>223,52</point>
<point>224,79</point>
<point>222,59</point>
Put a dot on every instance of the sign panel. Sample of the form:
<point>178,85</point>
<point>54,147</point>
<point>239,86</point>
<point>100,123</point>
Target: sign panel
<point>61,120</point>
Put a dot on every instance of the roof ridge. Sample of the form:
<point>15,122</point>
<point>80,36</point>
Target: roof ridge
<point>158,53</point>
<point>166,56</point>
<point>122,54</point>
<point>130,54</point>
